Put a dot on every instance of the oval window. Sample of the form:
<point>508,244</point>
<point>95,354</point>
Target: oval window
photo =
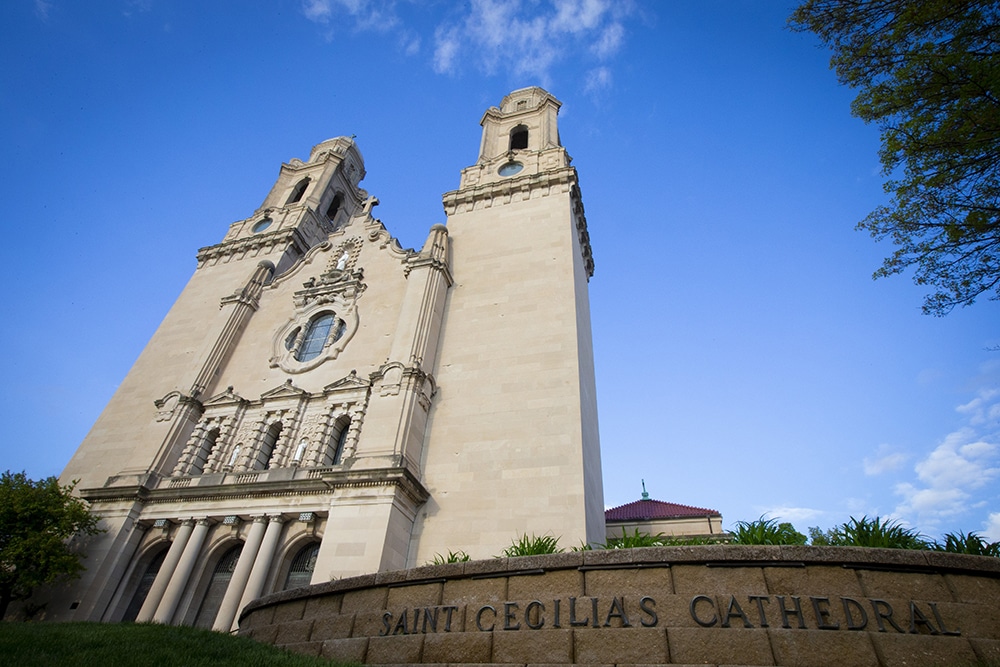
<point>510,169</point>
<point>315,338</point>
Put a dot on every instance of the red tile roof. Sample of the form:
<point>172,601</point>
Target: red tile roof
<point>645,510</point>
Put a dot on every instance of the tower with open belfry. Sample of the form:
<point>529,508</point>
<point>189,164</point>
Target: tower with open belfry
<point>321,402</point>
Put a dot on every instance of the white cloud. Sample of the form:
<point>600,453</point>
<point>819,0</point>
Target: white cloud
<point>42,9</point>
<point>524,39</point>
<point>958,462</point>
<point>609,42</point>
<point>410,42</point>
<point>376,15</point>
<point>794,515</point>
<point>885,460</point>
<point>982,408</point>
<point>530,38</point>
<point>992,529</point>
<point>319,11</point>
<point>934,503</point>
<point>598,79</point>
<point>578,16</point>
<point>446,45</point>
<point>949,477</point>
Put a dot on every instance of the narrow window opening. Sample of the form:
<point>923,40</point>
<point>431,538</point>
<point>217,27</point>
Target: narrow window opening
<point>299,191</point>
<point>142,590</point>
<point>267,446</point>
<point>301,570</point>
<point>204,452</point>
<point>519,138</point>
<point>335,453</point>
<point>334,208</point>
<point>217,586</point>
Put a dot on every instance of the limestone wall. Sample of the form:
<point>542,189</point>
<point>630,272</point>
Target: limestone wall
<point>666,605</point>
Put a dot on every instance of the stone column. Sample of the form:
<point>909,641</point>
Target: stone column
<point>172,596</point>
<point>166,571</point>
<point>234,593</point>
<point>262,564</point>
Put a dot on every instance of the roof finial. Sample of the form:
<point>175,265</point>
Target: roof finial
<point>645,496</point>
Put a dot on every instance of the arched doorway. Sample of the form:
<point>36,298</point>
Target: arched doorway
<point>216,590</point>
<point>145,583</point>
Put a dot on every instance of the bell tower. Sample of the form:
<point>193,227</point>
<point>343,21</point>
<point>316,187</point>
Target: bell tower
<point>321,402</point>
<point>513,434</point>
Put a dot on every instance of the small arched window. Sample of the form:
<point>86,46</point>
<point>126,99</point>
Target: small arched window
<point>335,455</point>
<point>267,446</point>
<point>217,586</point>
<point>203,452</point>
<point>334,207</point>
<point>519,138</point>
<point>303,565</point>
<point>146,583</point>
<point>299,191</point>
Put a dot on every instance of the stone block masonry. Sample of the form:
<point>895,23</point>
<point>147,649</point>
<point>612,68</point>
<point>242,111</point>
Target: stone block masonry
<point>719,605</point>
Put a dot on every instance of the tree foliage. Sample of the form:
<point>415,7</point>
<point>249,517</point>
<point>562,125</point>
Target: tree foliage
<point>928,74</point>
<point>37,521</point>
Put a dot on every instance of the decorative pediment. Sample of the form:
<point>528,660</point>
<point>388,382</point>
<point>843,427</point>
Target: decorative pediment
<point>286,390</point>
<point>350,382</point>
<point>226,398</point>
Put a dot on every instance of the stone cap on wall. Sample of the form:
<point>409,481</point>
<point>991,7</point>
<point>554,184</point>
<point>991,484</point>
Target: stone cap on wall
<point>904,560</point>
<point>712,604</point>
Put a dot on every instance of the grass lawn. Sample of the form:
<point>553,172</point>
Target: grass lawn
<point>136,645</point>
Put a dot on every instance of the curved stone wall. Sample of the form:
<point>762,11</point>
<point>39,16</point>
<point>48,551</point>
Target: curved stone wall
<point>666,605</point>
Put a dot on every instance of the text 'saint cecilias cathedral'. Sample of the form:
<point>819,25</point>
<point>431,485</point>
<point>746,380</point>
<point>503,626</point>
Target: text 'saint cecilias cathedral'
<point>320,402</point>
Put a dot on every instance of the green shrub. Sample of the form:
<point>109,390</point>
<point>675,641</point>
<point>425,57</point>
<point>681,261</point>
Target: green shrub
<point>874,532</point>
<point>636,539</point>
<point>532,546</point>
<point>766,531</point>
<point>452,557</point>
<point>971,543</point>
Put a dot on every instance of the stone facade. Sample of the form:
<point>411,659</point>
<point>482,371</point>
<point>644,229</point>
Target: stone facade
<point>322,403</point>
<point>715,605</point>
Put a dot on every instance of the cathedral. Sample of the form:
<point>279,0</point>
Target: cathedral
<point>321,402</point>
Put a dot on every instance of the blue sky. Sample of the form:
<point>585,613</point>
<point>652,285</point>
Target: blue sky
<point>746,360</point>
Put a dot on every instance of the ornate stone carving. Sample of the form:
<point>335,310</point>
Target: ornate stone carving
<point>166,406</point>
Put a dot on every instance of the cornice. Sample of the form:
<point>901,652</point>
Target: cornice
<point>430,262</point>
<point>400,477</point>
<point>252,244</point>
<point>523,188</point>
<point>107,494</point>
<point>511,189</point>
<point>321,481</point>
